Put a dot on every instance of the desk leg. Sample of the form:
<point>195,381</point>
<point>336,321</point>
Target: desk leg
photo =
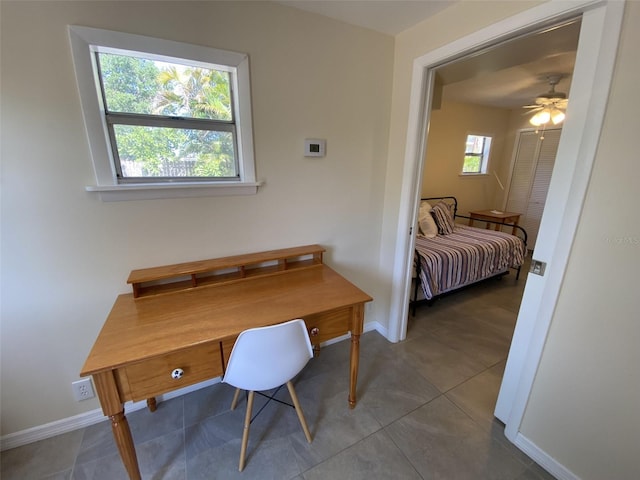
<point>114,409</point>
<point>122,435</point>
<point>357,323</point>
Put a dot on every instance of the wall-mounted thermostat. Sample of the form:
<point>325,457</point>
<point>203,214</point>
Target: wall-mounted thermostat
<point>314,147</point>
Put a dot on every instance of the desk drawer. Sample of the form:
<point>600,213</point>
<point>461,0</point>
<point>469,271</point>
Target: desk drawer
<point>153,377</point>
<point>321,327</point>
<point>328,325</point>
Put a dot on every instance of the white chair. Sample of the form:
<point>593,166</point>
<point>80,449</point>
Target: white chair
<point>266,358</point>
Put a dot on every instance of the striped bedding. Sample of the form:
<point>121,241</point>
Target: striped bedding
<point>465,256</point>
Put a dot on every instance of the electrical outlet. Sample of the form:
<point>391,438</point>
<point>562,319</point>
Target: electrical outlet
<point>83,389</point>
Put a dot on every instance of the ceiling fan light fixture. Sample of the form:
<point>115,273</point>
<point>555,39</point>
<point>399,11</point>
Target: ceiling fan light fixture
<point>549,106</point>
<point>540,118</point>
<point>557,116</point>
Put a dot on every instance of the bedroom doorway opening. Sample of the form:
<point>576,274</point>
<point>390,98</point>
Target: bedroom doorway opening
<point>595,60</point>
<point>478,321</point>
<point>470,97</point>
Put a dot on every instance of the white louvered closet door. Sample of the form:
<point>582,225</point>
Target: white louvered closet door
<point>530,178</point>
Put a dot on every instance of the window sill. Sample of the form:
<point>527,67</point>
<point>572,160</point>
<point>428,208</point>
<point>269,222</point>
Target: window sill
<point>473,175</point>
<point>154,191</point>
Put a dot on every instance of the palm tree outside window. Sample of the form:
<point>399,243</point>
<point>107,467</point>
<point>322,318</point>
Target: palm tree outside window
<point>168,120</point>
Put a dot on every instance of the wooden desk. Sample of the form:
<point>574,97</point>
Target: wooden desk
<point>495,216</point>
<point>194,328</point>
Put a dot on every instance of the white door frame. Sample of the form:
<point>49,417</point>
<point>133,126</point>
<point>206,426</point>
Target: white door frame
<point>597,48</point>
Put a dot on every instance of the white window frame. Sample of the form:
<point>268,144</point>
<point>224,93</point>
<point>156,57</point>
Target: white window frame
<point>484,158</point>
<point>85,42</point>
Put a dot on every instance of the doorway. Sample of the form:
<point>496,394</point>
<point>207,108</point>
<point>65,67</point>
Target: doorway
<point>601,25</point>
<point>472,98</point>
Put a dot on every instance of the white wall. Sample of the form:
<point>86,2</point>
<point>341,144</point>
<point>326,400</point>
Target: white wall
<point>66,255</point>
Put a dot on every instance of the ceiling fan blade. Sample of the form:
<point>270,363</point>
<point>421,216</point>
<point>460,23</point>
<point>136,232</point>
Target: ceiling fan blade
<point>550,99</point>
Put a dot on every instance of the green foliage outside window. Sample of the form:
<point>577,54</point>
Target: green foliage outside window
<point>471,164</point>
<point>144,87</point>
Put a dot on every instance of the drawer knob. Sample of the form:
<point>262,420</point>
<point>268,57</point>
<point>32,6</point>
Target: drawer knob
<point>177,373</point>
<point>315,331</point>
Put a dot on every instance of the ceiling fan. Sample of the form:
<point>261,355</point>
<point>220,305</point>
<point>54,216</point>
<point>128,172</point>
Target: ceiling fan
<point>549,106</point>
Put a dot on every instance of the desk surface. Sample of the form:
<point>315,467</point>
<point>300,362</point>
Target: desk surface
<point>141,328</point>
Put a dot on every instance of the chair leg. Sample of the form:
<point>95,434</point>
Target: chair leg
<point>234,402</point>
<point>245,433</point>
<point>298,408</point>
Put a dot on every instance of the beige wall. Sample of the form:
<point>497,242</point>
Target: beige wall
<point>583,408</point>
<point>448,130</point>
<point>66,255</point>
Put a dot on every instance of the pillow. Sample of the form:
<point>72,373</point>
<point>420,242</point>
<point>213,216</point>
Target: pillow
<point>444,220</point>
<point>427,224</point>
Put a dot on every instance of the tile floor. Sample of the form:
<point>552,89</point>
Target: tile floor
<point>424,412</point>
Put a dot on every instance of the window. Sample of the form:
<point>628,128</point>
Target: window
<point>476,155</point>
<point>164,118</point>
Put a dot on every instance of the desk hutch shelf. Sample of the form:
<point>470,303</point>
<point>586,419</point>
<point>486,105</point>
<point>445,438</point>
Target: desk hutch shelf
<point>182,276</point>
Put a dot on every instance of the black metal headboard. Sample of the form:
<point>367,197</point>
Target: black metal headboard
<point>454,201</point>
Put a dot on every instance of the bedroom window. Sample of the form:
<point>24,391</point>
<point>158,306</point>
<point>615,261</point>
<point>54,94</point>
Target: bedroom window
<point>163,116</point>
<point>476,155</point>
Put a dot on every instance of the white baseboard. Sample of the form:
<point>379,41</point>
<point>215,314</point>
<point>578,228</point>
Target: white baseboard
<point>543,459</point>
<point>378,328</point>
<point>65,425</point>
<point>48,430</point>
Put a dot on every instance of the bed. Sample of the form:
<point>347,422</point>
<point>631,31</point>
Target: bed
<point>450,256</point>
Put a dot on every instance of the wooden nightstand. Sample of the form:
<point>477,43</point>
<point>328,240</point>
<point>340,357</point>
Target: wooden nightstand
<point>495,216</point>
